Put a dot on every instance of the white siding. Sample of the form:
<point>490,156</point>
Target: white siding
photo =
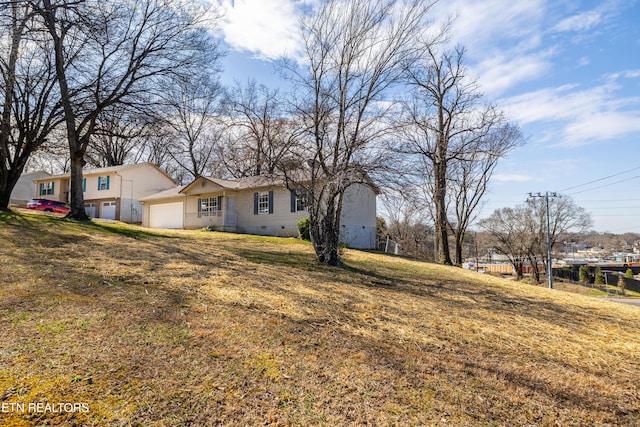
<point>127,184</point>
<point>358,222</point>
<point>60,189</point>
<point>358,217</point>
<point>135,183</point>
<point>282,222</point>
<point>25,188</point>
<point>195,220</point>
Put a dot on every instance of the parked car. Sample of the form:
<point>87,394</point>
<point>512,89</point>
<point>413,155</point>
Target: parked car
<point>48,206</point>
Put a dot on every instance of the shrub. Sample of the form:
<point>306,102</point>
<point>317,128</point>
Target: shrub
<point>584,275</point>
<point>621,283</point>
<point>628,274</point>
<point>303,229</point>
<point>599,277</point>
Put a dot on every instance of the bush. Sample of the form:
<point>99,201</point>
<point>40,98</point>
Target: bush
<point>599,277</point>
<point>303,229</point>
<point>621,283</point>
<point>584,275</point>
<point>628,274</point>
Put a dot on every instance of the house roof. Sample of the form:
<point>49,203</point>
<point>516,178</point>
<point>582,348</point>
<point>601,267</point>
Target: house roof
<point>266,181</point>
<point>239,184</point>
<point>108,170</point>
<point>174,192</point>
<point>31,175</point>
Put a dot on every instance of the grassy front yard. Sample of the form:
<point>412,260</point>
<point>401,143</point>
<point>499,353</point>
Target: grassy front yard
<point>200,328</point>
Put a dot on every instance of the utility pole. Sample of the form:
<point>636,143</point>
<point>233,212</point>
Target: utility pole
<point>549,265</point>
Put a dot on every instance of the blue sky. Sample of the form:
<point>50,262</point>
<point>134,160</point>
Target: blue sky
<point>568,72</point>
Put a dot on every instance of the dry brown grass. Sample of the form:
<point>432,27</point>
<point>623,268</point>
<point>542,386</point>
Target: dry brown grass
<point>199,328</point>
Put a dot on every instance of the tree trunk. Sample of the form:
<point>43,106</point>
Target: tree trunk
<point>75,191</point>
<point>5,193</point>
<point>517,266</point>
<point>8,174</point>
<point>535,270</point>
<point>441,222</point>
<point>330,241</point>
<point>325,235</point>
<point>459,236</point>
<point>75,147</point>
<point>8,182</point>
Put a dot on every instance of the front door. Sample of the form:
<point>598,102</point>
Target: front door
<point>231,215</point>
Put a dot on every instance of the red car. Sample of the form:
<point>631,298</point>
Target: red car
<point>48,206</point>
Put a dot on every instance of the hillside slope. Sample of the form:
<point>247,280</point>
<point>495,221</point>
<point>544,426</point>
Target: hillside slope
<point>200,328</point>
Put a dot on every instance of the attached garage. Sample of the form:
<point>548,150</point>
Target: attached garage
<point>166,215</point>
<point>108,210</point>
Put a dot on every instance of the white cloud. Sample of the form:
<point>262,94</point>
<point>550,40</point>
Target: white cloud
<point>481,23</point>
<point>584,61</point>
<point>585,116</point>
<point>580,22</point>
<point>503,39</point>
<point>500,73</point>
<point>551,104</point>
<point>601,126</point>
<point>511,177</point>
<point>628,74</point>
<point>266,28</point>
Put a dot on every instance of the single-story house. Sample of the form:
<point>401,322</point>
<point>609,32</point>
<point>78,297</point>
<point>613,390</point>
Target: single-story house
<point>25,188</point>
<point>112,192</point>
<point>256,205</point>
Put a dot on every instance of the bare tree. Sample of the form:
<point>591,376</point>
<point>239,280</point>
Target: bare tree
<point>108,53</point>
<point>564,216</point>
<point>261,135</point>
<point>470,175</point>
<point>408,225</point>
<point>520,233</point>
<point>353,53</point>
<point>192,120</point>
<point>156,150</point>
<point>458,138</point>
<point>119,136</point>
<point>30,101</point>
<point>511,235</point>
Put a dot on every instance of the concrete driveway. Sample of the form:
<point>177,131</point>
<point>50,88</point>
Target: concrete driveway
<point>631,301</point>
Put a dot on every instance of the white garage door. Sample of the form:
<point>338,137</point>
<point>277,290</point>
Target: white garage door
<point>108,210</point>
<point>166,215</point>
<point>90,209</point>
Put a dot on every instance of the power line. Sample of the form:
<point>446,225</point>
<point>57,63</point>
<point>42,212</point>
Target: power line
<point>625,228</point>
<point>606,185</point>
<point>601,179</point>
<point>616,207</point>
<point>607,201</point>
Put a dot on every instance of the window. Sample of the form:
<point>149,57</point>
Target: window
<point>263,202</point>
<point>209,206</point>
<point>46,188</point>
<point>299,200</point>
<point>103,183</point>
